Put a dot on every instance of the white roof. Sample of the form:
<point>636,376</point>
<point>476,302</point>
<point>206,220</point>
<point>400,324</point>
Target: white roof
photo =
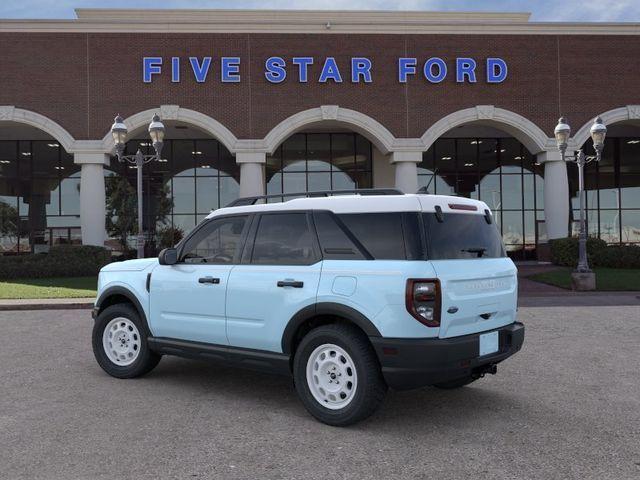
<point>364,204</point>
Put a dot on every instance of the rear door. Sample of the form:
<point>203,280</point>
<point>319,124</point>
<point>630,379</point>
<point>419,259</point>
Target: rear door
<point>478,282</point>
<point>187,300</point>
<point>279,276</point>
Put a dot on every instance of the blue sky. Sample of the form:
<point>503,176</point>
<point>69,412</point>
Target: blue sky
<point>542,10</point>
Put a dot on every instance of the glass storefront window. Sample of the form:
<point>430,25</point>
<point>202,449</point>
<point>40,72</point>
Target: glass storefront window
<point>630,222</point>
<point>319,161</point>
<point>193,177</point>
<point>612,190</point>
<point>39,196</point>
<point>498,171</point>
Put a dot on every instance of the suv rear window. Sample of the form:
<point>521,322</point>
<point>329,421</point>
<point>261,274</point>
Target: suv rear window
<point>462,235</point>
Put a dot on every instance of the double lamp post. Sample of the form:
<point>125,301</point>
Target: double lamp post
<point>582,278</point>
<point>156,132</point>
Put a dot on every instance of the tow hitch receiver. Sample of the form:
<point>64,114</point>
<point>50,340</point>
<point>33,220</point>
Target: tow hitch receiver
<point>480,372</point>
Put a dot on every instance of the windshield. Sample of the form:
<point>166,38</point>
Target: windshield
<point>462,235</point>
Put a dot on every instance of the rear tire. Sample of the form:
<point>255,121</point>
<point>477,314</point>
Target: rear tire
<point>337,375</point>
<point>120,342</point>
<point>457,383</point>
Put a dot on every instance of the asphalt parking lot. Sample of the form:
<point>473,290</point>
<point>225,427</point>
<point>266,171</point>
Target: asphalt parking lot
<point>567,406</point>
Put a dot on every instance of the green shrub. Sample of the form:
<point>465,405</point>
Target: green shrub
<point>619,256</point>
<point>564,252</point>
<point>61,261</point>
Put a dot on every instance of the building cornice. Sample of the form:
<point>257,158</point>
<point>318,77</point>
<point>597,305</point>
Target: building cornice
<point>317,22</point>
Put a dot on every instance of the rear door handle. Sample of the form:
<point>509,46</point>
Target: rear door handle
<point>290,283</point>
<point>209,280</point>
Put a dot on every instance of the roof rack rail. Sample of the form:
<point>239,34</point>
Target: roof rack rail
<point>244,201</point>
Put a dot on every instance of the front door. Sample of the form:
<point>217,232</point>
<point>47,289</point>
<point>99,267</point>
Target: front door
<point>280,277</point>
<point>187,300</point>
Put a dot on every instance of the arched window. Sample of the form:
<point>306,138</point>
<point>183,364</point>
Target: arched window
<point>612,190</point>
<point>320,161</point>
<point>192,178</point>
<point>498,171</point>
<point>39,196</point>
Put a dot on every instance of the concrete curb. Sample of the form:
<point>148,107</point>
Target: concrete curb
<point>46,304</point>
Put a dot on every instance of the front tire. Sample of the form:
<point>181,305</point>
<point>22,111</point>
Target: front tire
<point>337,375</point>
<point>120,342</point>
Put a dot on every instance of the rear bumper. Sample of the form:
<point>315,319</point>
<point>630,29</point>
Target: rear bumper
<point>416,362</point>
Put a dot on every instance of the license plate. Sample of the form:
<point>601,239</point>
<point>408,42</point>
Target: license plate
<point>488,343</point>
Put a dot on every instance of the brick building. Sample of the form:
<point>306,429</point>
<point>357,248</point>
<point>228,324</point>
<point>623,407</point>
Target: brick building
<point>288,101</point>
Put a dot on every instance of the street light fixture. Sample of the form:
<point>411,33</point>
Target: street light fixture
<point>156,132</point>
<point>598,132</point>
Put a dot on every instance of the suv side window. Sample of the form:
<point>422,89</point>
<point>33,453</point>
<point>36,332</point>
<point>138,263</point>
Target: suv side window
<point>380,233</point>
<point>284,239</point>
<point>217,242</point>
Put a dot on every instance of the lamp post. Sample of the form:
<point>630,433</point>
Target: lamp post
<point>119,133</point>
<point>583,278</point>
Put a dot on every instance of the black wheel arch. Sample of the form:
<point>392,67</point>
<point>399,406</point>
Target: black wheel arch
<point>120,294</point>
<point>325,309</point>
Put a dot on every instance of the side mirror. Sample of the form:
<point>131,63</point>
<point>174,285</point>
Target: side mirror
<point>168,256</point>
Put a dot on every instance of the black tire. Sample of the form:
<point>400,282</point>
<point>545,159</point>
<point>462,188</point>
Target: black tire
<point>370,386</point>
<point>457,383</point>
<point>146,359</point>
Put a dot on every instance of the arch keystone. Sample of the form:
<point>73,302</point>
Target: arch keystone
<point>485,111</point>
<point>6,112</point>
<point>329,112</point>
<point>169,112</point>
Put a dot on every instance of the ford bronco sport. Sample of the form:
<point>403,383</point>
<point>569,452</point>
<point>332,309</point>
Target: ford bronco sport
<point>348,293</point>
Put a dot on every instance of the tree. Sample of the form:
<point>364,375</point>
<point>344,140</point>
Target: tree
<point>8,220</point>
<point>9,226</point>
<point>122,208</point>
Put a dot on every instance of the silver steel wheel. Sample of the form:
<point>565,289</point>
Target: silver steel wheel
<point>121,341</point>
<point>331,376</point>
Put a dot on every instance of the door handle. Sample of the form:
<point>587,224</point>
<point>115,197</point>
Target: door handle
<point>209,280</point>
<point>290,283</point>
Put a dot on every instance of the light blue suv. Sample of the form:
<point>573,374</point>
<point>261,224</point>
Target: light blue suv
<point>348,293</point>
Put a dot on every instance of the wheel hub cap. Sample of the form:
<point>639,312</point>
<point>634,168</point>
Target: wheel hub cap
<point>331,376</point>
<point>121,341</point>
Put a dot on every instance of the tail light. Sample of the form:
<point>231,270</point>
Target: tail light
<point>423,301</point>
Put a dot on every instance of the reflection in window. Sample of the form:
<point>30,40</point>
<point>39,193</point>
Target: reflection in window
<point>192,178</point>
<point>217,243</point>
<point>283,239</point>
<point>500,172</point>
<point>319,161</point>
<point>612,192</point>
<point>39,196</point>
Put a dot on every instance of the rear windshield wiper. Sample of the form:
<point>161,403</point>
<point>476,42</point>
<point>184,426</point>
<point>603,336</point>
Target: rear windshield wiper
<point>479,251</point>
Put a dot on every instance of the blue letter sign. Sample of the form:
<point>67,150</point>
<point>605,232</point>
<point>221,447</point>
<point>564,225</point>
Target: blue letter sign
<point>275,69</point>
<point>330,71</point>
<point>428,70</point>
<point>303,66</point>
<point>200,70</point>
<point>150,66</point>
<point>360,67</point>
<point>325,70</point>
<point>230,69</point>
<point>406,66</point>
<point>496,70</point>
